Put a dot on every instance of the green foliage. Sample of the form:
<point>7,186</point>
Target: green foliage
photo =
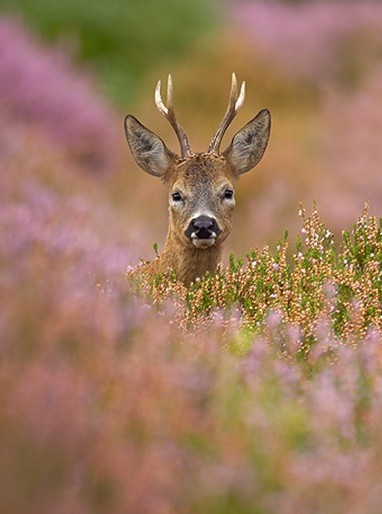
<point>122,40</point>
<point>342,286</point>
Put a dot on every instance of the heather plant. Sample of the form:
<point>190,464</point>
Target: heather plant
<point>256,390</point>
<point>315,40</point>
<point>109,404</point>
<point>317,283</point>
<point>351,150</point>
<point>40,88</point>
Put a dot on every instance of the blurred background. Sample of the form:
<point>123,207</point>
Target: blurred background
<point>84,403</point>
<point>70,71</point>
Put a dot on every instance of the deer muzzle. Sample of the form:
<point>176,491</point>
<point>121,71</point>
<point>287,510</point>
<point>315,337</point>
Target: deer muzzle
<point>203,231</point>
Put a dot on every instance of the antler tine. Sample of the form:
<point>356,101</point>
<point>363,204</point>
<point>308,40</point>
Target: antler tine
<point>158,100</point>
<point>169,113</point>
<point>240,100</point>
<point>233,93</point>
<point>170,103</point>
<point>234,103</point>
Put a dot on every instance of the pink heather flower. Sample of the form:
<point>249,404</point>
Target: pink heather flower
<point>274,319</point>
<point>351,173</point>
<point>305,38</point>
<point>39,88</point>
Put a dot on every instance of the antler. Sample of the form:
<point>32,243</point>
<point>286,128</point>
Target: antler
<point>169,113</point>
<point>234,103</point>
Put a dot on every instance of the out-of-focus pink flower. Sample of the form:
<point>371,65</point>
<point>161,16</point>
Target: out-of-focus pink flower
<point>351,150</point>
<point>306,38</point>
<point>40,88</point>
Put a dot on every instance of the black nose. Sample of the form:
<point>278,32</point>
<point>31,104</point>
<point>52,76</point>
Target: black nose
<point>202,227</point>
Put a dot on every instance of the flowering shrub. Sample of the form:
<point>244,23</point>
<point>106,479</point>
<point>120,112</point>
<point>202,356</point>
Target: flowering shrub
<point>351,122</point>
<point>111,404</point>
<point>314,39</point>
<point>320,283</point>
<point>39,89</point>
<point>256,390</point>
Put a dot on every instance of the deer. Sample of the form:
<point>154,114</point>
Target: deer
<point>200,186</point>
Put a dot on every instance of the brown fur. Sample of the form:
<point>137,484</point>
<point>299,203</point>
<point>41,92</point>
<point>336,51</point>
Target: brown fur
<point>186,263</point>
<point>199,177</point>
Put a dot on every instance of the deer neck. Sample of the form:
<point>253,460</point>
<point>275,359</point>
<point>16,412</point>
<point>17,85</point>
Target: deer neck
<point>187,262</point>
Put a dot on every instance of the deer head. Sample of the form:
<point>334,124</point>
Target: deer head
<point>201,186</point>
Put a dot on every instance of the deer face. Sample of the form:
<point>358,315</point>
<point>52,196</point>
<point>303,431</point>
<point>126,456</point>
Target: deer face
<point>201,187</point>
<point>201,200</point>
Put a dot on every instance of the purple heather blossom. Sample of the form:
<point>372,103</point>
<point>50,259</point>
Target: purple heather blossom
<point>305,38</point>
<point>41,89</point>
<point>351,172</point>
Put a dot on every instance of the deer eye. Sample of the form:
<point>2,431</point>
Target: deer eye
<point>176,196</point>
<point>228,194</point>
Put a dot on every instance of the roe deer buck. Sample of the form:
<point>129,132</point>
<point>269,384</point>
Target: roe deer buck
<point>201,185</point>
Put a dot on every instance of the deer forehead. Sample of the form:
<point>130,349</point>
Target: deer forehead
<point>201,172</point>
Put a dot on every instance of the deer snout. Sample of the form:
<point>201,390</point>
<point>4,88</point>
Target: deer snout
<point>203,228</point>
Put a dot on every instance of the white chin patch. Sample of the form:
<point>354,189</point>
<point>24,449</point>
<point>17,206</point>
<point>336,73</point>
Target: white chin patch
<point>203,243</point>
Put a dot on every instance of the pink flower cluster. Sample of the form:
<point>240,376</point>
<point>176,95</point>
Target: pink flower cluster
<point>351,123</point>
<point>39,88</point>
<point>306,39</point>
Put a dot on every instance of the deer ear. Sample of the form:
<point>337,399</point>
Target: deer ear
<point>149,151</point>
<point>248,145</point>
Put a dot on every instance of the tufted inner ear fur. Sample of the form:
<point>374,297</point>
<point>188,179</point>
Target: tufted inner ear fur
<point>149,151</point>
<point>248,145</point>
